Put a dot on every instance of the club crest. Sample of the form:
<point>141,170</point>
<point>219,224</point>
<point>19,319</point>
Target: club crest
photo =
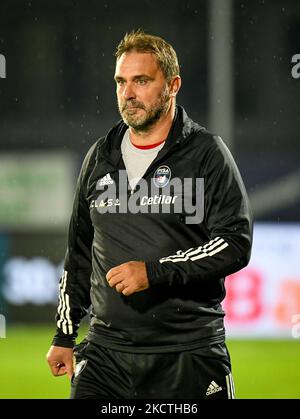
<point>162,176</point>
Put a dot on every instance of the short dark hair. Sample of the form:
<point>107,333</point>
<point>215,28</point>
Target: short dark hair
<point>138,40</point>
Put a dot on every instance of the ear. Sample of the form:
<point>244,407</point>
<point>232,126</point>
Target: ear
<point>175,85</point>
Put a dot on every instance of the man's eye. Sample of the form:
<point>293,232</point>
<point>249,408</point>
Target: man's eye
<point>141,82</point>
<point>120,82</point>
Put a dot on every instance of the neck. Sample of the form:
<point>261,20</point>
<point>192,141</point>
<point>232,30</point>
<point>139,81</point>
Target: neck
<point>156,133</point>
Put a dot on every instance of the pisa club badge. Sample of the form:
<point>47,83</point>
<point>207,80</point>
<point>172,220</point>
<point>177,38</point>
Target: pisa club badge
<point>162,176</point>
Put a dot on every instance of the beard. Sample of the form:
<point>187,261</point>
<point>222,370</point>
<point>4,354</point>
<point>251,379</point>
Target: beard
<point>145,119</point>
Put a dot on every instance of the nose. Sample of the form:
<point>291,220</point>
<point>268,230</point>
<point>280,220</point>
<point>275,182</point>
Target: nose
<point>128,92</point>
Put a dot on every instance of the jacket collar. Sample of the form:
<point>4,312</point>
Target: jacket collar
<point>182,127</point>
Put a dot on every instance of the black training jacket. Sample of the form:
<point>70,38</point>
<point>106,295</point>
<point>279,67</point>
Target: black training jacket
<point>186,262</point>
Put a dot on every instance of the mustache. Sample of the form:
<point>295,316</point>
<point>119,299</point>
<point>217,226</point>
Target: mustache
<point>132,104</point>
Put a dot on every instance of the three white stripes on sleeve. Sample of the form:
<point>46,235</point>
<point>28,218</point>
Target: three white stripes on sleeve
<point>63,310</point>
<point>216,245</point>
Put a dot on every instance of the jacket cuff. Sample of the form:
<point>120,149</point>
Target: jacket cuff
<point>66,341</point>
<point>158,274</point>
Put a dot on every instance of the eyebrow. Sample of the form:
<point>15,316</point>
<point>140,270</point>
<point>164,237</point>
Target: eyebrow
<point>141,76</point>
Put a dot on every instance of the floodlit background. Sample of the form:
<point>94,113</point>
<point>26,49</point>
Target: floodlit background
<point>241,79</point>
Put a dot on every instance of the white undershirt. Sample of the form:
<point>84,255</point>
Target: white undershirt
<point>137,160</point>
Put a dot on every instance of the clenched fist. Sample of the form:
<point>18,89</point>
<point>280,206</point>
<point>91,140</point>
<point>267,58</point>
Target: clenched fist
<point>60,360</point>
<point>128,278</point>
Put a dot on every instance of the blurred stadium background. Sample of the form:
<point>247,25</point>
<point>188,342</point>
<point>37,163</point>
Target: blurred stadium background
<point>57,97</point>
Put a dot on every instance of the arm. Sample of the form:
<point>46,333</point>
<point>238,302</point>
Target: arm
<point>228,222</point>
<point>74,287</point>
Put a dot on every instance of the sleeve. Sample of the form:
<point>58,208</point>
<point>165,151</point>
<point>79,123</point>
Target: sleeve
<point>74,286</point>
<point>227,220</point>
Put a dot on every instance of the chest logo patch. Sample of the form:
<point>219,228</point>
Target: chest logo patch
<point>162,176</point>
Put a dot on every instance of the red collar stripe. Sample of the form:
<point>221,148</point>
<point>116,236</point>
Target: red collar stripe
<point>147,147</point>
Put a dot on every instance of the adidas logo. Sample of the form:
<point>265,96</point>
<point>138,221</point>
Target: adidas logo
<point>213,388</point>
<point>106,180</point>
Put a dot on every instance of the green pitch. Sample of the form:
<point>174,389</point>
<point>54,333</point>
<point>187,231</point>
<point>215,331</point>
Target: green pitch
<point>261,369</point>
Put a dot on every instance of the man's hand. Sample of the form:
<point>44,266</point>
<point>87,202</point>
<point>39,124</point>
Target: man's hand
<point>60,360</point>
<point>128,278</point>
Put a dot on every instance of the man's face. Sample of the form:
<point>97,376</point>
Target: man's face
<point>142,90</point>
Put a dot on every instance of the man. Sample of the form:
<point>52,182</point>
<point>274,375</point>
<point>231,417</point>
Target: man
<point>151,261</point>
